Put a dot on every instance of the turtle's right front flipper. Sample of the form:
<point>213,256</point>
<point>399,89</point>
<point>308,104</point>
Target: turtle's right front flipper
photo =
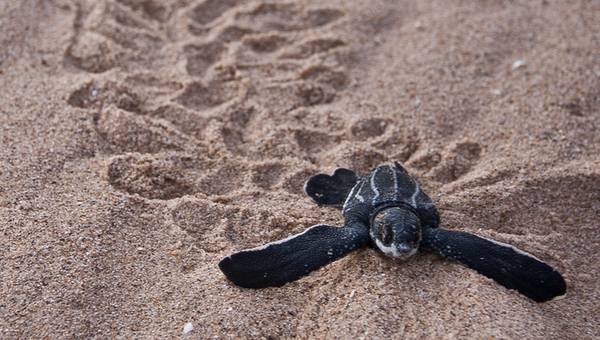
<point>331,190</point>
<point>507,265</point>
<point>277,263</point>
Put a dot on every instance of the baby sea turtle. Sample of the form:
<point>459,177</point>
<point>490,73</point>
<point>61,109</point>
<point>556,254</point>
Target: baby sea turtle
<point>386,210</point>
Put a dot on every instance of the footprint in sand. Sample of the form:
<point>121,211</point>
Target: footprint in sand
<point>286,17</point>
<point>174,174</point>
<point>424,159</point>
<point>221,226</point>
<point>214,185</point>
<point>123,33</point>
<point>229,133</point>
<point>457,160</point>
<point>122,120</point>
<point>210,10</point>
<point>325,75</point>
<point>294,182</point>
<point>200,57</point>
<point>566,196</point>
<point>203,96</point>
<point>140,115</point>
<point>448,165</point>
<point>151,122</point>
<point>163,176</point>
<point>152,84</point>
<point>313,141</point>
<point>124,131</point>
<point>266,45</point>
<point>267,175</point>
<point>364,129</point>
<point>93,53</point>
<point>306,49</point>
<point>94,96</point>
<point>207,228</point>
<point>359,157</point>
<point>156,10</point>
<point>389,137</point>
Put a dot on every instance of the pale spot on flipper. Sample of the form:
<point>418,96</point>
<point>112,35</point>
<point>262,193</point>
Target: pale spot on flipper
<point>284,240</point>
<point>560,297</point>
<point>517,250</point>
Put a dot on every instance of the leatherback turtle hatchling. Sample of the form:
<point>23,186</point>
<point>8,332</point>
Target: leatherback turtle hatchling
<point>388,210</point>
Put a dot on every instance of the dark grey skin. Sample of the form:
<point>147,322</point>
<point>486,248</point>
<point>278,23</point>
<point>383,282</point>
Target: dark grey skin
<point>388,211</point>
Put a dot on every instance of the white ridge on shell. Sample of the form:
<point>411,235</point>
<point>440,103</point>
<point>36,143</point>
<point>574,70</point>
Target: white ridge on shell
<point>413,198</point>
<point>396,188</point>
<point>351,194</point>
<point>373,186</point>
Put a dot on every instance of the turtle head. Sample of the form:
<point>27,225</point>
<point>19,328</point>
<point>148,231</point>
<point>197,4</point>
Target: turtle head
<point>397,232</point>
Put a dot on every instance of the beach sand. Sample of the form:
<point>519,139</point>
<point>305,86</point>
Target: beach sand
<point>142,141</point>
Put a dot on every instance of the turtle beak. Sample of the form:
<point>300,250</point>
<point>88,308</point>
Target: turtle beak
<point>400,251</point>
<point>404,251</point>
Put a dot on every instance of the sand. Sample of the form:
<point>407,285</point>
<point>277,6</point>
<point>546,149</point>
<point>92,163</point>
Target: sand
<point>142,141</point>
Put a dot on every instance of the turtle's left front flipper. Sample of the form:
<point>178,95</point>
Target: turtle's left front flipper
<point>277,263</point>
<point>507,265</point>
<point>331,190</point>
